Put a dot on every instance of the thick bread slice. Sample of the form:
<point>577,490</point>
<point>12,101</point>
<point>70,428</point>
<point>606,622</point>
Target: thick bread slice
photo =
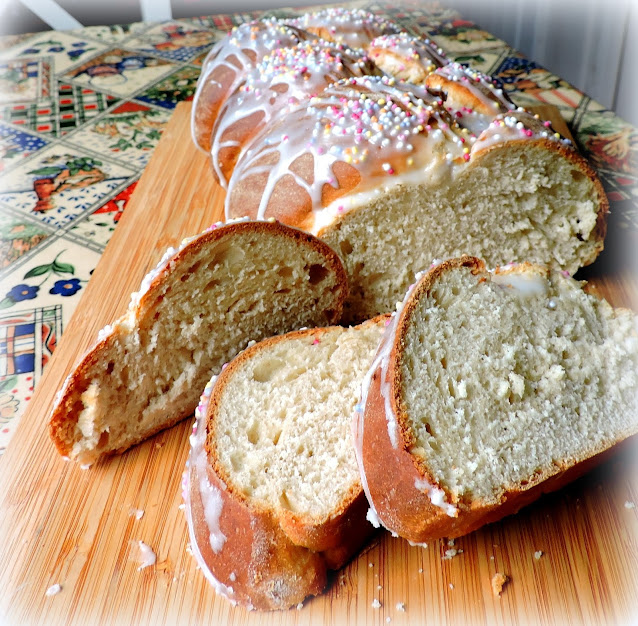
<point>199,307</point>
<point>272,490</point>
<point>488,390</point>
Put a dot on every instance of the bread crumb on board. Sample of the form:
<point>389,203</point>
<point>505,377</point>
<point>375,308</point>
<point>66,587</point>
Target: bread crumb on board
<point>400,606</point>
<point>53,590</point>
<point>499,580</point>
<point>538,554</point>
<point>376,604</point>
<point>630,505</point>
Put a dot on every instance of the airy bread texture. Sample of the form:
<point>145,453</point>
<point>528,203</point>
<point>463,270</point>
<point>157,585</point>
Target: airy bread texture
<point>391,178</point>
<point>272,490</point>
<point>200,307</point>
<point>391,173</point>
<point>488,390</point>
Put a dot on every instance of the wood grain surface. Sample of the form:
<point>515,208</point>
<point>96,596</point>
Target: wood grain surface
<point>77,528</point>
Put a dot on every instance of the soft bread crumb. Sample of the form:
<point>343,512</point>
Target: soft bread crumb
<point>376,604</point>
<point>53,590</point>
<point>137,513</point>
<point>143,554</point>
<point>499,580</point>
<point>630,505</point>
<point>400,606</point>
<point>538,554</point>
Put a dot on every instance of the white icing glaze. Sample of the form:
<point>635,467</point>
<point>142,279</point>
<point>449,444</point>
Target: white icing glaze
<point>230,53</point>
<point>519,127</point>
<point>144,555</point>
<point>354,27</point>
<point>436,495</point>
<point>211,498</point>
<point>523,285</point>
<point>280,80</point>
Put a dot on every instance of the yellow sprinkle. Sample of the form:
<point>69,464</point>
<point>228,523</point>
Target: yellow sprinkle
<point>271,220</point>
<point>557,135</point>
<point>466,150</point>
<point>355,150</point>
<point>348,158</point>
<point>410,161</point>
<point>382,101</point>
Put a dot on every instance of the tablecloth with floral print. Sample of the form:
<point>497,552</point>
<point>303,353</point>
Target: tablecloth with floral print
<point>81,112</point>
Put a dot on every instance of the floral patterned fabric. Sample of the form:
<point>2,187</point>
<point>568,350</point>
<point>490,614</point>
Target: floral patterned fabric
<point>81,112</point>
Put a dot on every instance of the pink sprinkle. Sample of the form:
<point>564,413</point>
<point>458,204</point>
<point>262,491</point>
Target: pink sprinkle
<point>565,273</point>
<point>547,124</point>
<point>466,157</point>
<point>340,208</point>
<point>387,322</point>
<point>315,342</point>
<point>528,133</point>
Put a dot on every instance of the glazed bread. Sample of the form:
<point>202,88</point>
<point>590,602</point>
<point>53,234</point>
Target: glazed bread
<point>195,311</point>
<point>354,28</point>
<point>229,62</point>
<point>226,65</point>
<point>391,176</point>
<point>406,57</point>
<point>272,491</point>
<point>281,79</point>
<point>489,389</point>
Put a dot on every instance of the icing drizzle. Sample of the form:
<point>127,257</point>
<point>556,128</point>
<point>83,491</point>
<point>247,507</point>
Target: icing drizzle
<point>281,79</point>
<point>196,467</point>
<point>381,361</point>
<point>354,27</point>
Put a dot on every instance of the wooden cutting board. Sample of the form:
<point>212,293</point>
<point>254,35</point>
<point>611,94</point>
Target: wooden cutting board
<point>60,524</point>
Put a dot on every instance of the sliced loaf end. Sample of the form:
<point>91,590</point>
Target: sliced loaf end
<point>499,386</point>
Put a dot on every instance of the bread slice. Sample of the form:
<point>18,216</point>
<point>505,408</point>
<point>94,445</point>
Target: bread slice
<point>489,389</point>
<point>199,307</point>
<point>272,490</point>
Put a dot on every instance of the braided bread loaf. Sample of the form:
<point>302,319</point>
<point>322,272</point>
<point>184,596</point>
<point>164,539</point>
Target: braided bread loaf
<point>393,174</point>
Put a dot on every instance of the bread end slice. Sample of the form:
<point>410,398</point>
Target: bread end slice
<point>489,389</point>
